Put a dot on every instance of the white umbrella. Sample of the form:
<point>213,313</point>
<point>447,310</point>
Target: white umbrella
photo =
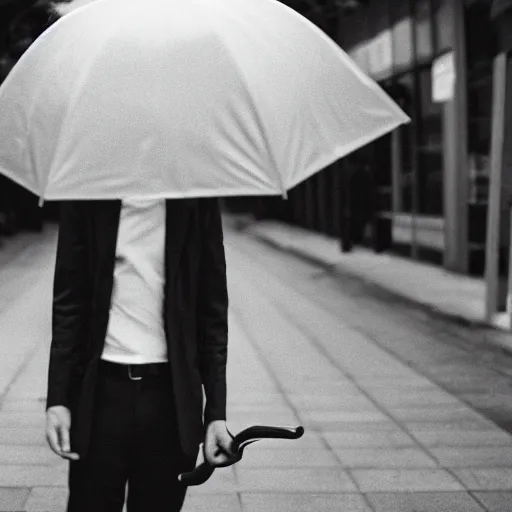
<point>173,98</point>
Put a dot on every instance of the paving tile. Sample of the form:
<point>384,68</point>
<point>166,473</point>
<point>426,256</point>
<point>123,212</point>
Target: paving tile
<point>438,413</point>
<point>359,426</point>
<point>387,480</point>
<point>47,499</point>
<point>454,371</point>
<point>424,502</point>
<point>30,476</point>
<point>237,397</point>
<point>281,408</point>
<point>356,406</point>
<point>31,455</point>
<point>495,501</point>
<point>328,417</point>
<point>22,419</point>
<point>467,456</point>
<point>254,457</point>
<point>14,404</point>
<point>295,480</point>
<point>473,384</point>
<point>23,436</point>
<point>341,391</point>
<point>263,417</point>
<point>372,367</point>
<point>394,439</point>
<point>13,499</point>
<point>416,398</point>
<point>308,373</point>
<point>392,382</point>
<point>320,388</point>
<point>217,503</point>
<point>385,458</point>
<point>463,438</point>
<point>25,394</point>
<point>485,479</point>
<point>460,426</point>
<point>379,364</point>
<point>346,405</point>
<point>356,402</point>
<point>222,481</point>
<point>304,503</point>
<point>483,399</point>
<point>255,384</point>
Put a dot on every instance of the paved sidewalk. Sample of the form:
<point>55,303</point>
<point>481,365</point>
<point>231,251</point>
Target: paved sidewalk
<point>457,296</point>
<point>26,275</point>
<point>380,436</point>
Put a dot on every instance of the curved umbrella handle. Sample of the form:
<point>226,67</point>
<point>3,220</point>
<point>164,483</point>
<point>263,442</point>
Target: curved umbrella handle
<point>258,432</point>
<point>197,476</point>
<point>204,471</point>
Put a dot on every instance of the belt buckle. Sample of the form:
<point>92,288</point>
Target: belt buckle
<point>131,377</point>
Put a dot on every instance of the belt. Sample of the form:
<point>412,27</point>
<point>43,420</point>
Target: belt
<point>134,371</point>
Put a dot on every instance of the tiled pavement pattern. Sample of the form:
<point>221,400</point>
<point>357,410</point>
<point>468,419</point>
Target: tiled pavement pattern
<point>384,432</point>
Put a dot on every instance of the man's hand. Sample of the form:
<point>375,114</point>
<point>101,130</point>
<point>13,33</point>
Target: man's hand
<point>217,445</point>
<point>58,423</point>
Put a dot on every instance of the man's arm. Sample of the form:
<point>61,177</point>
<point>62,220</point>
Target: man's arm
<point>213,336</point>
<point>213,312</point>
<point>69,305</point>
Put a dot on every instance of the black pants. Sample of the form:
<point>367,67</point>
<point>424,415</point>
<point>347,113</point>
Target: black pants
<point>134,440</point>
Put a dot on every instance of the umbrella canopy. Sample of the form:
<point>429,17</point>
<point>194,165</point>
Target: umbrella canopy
<point>165,98</point>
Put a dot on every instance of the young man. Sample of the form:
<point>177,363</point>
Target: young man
<point>139,328</point>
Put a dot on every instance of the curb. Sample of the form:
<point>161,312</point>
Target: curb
<point>461,320</point>
<point>240,224</point>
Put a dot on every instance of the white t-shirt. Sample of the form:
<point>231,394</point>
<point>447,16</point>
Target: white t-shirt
<point>135,333</point>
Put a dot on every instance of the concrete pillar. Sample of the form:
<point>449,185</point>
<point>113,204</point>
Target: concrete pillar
<point>498,291</point>
<point>495,295</point>
<point>455,152</point>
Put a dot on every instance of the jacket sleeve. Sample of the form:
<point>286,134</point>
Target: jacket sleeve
<point>69,305</point>
<point>213,313</point>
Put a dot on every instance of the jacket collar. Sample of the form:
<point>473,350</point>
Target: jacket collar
<point>106,226</point>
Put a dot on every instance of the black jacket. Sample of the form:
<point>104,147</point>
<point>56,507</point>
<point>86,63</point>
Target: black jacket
<point>498,7</point>
<point>501,14</point>
<point>195,311</point>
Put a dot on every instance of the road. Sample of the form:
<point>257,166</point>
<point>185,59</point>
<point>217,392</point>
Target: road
<point>402,411</point>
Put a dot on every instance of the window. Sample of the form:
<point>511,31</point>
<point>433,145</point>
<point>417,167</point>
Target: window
<point>405,97</point>
<point>442,26</point>
<point>378,17</point>
<point>429,148</point>
<point>353,29</point>
<point>481,48</point>
<point>423,31</point>
<point>402,35</point>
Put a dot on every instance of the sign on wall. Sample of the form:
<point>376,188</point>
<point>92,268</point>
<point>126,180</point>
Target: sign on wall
<point>443,78</point>
<point>359,55</point>
<point>380,57</point>
<point>375,56</point>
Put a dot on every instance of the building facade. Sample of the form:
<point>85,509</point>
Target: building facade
<point>435,57</point>
<point>421,191</point>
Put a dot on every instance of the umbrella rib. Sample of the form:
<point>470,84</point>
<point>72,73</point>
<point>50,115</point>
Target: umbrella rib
<point>261,126</point>
<point>73,101</point>
<point>267,146</point>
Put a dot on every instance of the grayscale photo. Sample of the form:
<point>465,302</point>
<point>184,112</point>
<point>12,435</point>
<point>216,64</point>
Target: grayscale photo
<point>254,255</point>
